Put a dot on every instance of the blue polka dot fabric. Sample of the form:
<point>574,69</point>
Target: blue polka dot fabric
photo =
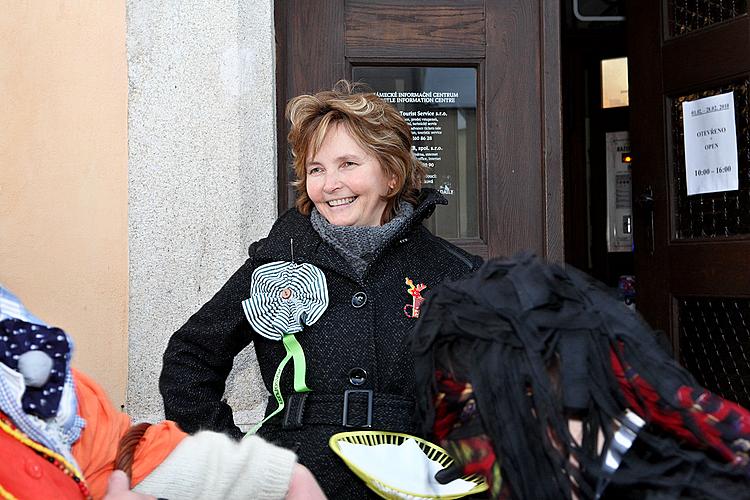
<point>18,337</point>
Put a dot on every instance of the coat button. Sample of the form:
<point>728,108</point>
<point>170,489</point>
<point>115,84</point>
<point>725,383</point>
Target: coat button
<point>33,469</point>
<point>359,299</point>
<point>357,376</point>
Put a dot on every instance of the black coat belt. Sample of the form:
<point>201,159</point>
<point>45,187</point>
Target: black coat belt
<point>354,408</point>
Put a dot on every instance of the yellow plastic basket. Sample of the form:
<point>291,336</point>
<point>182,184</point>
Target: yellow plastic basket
<point>372,438</point>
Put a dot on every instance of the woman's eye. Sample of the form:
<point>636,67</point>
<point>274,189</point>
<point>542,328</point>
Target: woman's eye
<point>314,170</point>
<point>349,164</point>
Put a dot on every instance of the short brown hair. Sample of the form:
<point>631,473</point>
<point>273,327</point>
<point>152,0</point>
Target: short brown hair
<point>377,127</point>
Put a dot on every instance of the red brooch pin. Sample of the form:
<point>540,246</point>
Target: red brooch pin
<point>412,310</point>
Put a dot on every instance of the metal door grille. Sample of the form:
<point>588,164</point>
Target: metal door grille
<point>691,15</point>
<point>713,214</point>
<point>714,341</point>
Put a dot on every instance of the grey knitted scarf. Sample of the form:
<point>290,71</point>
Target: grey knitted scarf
<point>358,244</point>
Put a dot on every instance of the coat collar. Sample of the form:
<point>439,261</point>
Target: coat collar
<point>428,199</point>
<point>294,229</point>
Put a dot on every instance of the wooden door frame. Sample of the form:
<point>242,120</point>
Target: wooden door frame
<point>648,174</point>
<point>521,59</point>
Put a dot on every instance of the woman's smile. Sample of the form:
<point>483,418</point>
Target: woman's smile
<point>342,202</point>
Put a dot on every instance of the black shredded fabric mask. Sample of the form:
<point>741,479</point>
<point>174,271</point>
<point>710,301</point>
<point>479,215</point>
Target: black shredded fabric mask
<point>540,345</point>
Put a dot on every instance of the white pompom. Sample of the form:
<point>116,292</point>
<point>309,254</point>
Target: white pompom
<point>35,366</point>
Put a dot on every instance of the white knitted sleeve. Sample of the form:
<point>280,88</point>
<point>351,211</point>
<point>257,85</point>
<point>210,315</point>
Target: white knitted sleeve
<point>209,465</point>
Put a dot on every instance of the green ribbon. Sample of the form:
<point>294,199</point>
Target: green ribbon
<point>295,353</point>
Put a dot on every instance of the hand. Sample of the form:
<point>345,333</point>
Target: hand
<point>119,488</point>
<point>303,485</point>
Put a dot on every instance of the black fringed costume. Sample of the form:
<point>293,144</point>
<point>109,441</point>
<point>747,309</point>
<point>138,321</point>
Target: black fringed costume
<point>508,355</point>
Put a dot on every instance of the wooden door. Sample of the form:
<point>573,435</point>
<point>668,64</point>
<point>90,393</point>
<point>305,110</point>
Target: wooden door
<point>693,257</point>
<point>513,46</point>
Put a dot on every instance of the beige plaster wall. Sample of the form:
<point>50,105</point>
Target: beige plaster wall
<point>63,178</point>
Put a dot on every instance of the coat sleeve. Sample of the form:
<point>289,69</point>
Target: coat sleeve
<point>199,357</point>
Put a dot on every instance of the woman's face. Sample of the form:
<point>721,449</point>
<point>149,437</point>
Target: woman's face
<point>345,182</point>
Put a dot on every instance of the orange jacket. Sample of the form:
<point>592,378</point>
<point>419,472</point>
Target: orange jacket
<point>96,449</point>
<point>27,474</point>
<point>26,471</point>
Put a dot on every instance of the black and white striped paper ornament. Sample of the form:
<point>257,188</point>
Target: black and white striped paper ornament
<point>284,297</point>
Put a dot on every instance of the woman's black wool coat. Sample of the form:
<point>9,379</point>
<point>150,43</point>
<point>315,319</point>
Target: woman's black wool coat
<point>360,343</point>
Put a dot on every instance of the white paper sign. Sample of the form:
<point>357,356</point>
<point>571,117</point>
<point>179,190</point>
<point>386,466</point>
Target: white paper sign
<point>710,144</point>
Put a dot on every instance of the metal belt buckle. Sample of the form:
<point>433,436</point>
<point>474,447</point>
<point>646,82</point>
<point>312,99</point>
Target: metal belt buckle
<point>345,419</point>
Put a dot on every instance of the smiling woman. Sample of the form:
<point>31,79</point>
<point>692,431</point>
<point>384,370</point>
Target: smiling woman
<point>358,219</point>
